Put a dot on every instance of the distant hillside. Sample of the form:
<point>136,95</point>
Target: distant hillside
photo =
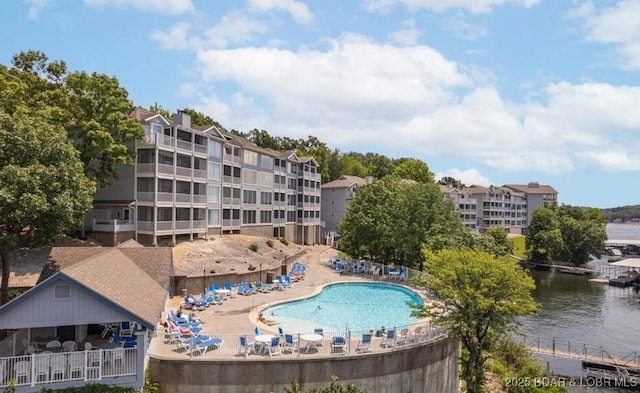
<point>622,213</point>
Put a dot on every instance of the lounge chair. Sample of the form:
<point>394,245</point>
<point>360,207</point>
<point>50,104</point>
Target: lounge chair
<point>246,346</point>
<point>202,347</point>
<point>365,343</point>
<point>403,337</point>
<point>338,342</point>
<point>22,369</point>
<point>274,347</point>
<point>69,346</point>
<point>389,340</point>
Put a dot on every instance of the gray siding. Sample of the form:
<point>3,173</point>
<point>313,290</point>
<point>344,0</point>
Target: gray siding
<point>334,202</point>
<point>121,189</point>
<point>44,311</point>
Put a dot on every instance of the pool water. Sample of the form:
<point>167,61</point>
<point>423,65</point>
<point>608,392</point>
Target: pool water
<point>353,306</point>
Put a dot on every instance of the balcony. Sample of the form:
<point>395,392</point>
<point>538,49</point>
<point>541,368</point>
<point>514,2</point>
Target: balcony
<point>200,174</point>
<point>183,225</point>
<point>183,198</point>
<point>199,199</point>
<point>147,140</point>
<point>201,149</point>
<point>166,169</point>
<point>184,145</point>
<point>185,172</point>
<point>164,226</point>
<point>165,197</point>
<point>144,196</point>
<point>199,224</point>
<point>166,141</point>
<point>146,226</point>
<point>146,168</point>
<point>113,226</point>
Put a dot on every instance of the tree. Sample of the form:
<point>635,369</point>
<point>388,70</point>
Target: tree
<point>43,190</point>
<point>501,240</point>
<point>448,180</point>
<point>390,220</point>
<point>263,139</point>
<point>93,108</point>
<point>200,119</point>
<point>479,298</point>
<point>351,166</point>
<point>566,233</point>
<point>414,169</point>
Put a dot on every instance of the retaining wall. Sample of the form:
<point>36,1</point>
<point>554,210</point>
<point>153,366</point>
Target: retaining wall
<point>432,367</point>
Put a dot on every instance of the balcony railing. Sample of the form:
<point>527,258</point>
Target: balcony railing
<point>199,224</point>
<point>145,196</point>
<point>165,168</point>
<point>199,199</point>
<point>107,366</point>
<point>164,225</point>
<point>183,225</point>
<point>199,174</point>
<point>146,168</point>
<point>183,198</point>
<point>200,148</point>
<point>165,197</point>
<point>166,140</point>
<point>113,226</point>
<point>181,171</point>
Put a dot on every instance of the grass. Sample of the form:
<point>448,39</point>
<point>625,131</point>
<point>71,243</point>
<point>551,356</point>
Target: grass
<point>519,247</point>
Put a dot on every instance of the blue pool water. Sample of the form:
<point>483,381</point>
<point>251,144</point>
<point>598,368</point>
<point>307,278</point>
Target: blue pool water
<point>356,306</point>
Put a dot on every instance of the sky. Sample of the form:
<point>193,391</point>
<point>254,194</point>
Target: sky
<point>487,91</point>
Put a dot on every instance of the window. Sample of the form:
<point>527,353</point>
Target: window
<point>236,172</point>
<point>157,129</point>
<point>236,214</point>
<point>214,171</point>
<point>61,292</point>
<point>265,198</point>
<point>266,162</point>
<point>248,216</point>
<point>249,196</point>
<point>215,149</point>
<point>226,214</point>
<point>183,214</point>
<point>165,185</point>
<point>250,176</point>
<point>145,213</point>
<point>165,214</point>
<point>146,184</point>
<point>227,170</point>
<point>183,187</point>
<point>265,217</point>
<point>265,179</point>
<point>213,194</point>
<point>250,158</point>
<point>213,216</point>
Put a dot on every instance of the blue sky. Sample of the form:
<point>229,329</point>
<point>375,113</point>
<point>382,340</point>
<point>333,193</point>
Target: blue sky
<point>488,91</point>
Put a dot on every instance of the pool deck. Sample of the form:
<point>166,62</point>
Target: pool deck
<point>239,315</point>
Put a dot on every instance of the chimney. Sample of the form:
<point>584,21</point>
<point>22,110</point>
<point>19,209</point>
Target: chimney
<point>183,119</point>
<point>533,184</point>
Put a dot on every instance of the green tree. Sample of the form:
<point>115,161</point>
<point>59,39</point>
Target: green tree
<point>43,190</point>
<point>157,108</point>
<point>263,139</point>
<point>334,387</point>
<point>544,238</point>
<point>499,235</point>
<point>479,297</point>
<point>452,181</point>
<point>352,166</point>
<point>390,220</point>
<point>200,119</point>
<point>414,169</point>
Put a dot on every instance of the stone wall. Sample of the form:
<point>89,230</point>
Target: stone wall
<point>432,367</point>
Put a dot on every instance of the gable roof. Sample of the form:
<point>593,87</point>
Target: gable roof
<point>532,188</point>
<point>345,181</point>
<point>115,277</point>
<point>157,262</point>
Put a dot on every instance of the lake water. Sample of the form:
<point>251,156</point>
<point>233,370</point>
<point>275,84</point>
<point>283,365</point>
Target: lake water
<point>572,309</point>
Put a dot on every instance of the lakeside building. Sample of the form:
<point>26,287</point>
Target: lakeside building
<point>509,207</point>
<point>191,182</point>
<point>465,204</point>
<point>336,197</point>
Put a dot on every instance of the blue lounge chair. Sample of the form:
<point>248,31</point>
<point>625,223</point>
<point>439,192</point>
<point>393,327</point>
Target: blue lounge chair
<point>203,346</point>
<point>389,340</point>
<point>290,343</point>
<point>365,343</point>
<point>274,347</point>
<point>338,342</point>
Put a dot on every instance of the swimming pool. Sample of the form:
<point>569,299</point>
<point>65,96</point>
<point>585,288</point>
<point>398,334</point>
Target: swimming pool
<point>356,306</point>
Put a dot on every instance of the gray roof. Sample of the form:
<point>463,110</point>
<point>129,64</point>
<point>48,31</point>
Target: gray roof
<point>345,181</point>
<point>114,276</point>
<point>532,188</point>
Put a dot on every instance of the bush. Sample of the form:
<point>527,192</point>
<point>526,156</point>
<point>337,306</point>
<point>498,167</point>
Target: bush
<point>270,243</point>
<point>253,247</point>
<point>284,241</point>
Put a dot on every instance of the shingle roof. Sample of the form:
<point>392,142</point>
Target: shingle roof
<point>475,189</point>
<point>345,181</point>
<point>116,277</point>
<point>532,188</point>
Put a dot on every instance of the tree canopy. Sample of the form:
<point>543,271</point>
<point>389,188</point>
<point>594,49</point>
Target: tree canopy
<point>566,233</point>
<point>452,181</point>
<point>414,169</point>
<point>43,190</point>
<point>390,219</point>
<point>92,108</point>
<point>478,299</point>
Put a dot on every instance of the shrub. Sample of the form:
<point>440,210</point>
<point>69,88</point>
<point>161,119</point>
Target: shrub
<point>253,247</point>
<point>284,241</point>
<point>270,243</point>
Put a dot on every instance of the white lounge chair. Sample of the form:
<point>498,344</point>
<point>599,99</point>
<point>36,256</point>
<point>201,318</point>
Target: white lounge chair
<point>338,342</point>
<point>365,343</point>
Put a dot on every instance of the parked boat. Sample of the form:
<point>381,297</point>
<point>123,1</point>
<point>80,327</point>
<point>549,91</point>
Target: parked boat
<point>574,270</point>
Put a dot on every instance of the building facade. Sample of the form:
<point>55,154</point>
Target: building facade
<point>336,197</point>
<point>191,182</point>
<point>509,207</point>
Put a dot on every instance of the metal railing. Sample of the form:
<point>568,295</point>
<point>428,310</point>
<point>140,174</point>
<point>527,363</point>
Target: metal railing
<point>45,368</point>
<point>300,344</point>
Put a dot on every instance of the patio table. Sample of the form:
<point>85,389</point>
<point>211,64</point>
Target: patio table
<point>263,341</point>
<point>312,340</point>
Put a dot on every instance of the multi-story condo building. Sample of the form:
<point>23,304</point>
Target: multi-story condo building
<point>465,204</point>
<point>336,197</point>
<point>499,207</point>
<point>190,182</point>
<point>536,195</point>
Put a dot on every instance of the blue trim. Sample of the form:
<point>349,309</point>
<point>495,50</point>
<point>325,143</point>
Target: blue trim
<point>63,277</point>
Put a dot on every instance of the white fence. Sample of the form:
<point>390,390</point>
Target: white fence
<point>45,368</point>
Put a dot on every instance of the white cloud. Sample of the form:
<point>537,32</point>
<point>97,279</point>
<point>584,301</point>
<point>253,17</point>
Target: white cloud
<point>233,28</point>
<point>35,6</point>
<point>176,38</point>
<point>617,25</point>
<point>408,34</point>
<point>413,100</point>
<point>473,6</point>
<point>298,10</point>
<point>466,176</point>
<point>171,7</point>
<point>469,31</point>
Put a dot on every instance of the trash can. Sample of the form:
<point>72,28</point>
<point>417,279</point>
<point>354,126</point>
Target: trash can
<point>269,278</point>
